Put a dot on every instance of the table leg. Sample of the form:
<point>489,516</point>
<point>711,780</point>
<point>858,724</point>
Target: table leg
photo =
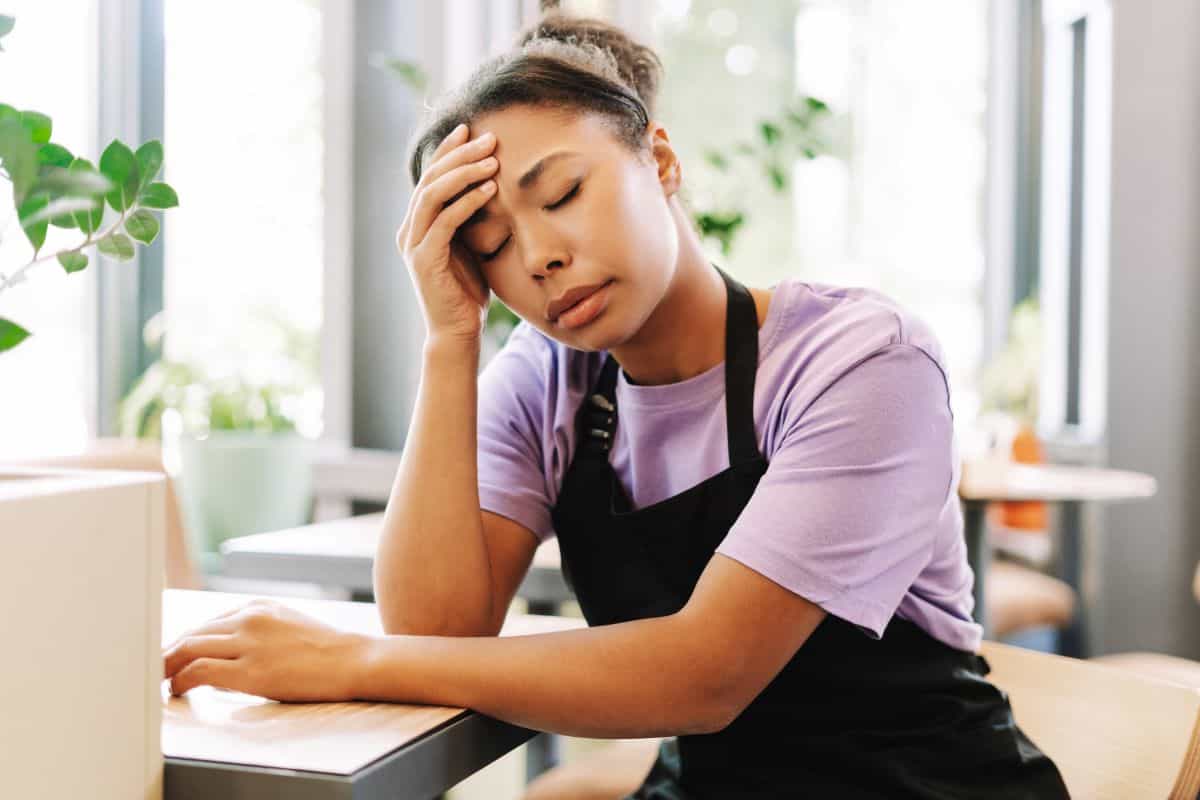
<point>543,753</point>
<point>1072,640</point>
<point>979,554</point>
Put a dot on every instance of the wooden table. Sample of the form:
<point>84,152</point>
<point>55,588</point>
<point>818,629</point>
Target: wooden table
<point>990,481</point>
<point>222,744</point>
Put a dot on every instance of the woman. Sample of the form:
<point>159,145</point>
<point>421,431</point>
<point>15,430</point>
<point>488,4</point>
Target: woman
<point>754,490</point>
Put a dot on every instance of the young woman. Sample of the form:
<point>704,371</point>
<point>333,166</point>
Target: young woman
<point>754,490</point>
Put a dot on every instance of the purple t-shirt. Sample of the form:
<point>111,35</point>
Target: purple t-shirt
<point>858,511</point>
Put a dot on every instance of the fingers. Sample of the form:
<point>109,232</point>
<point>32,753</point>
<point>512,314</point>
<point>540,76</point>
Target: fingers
<point>218,672</point>
<point>225,622</point>
<point>193,647</point>
<point>452,216</point>
<point>453,139</point>
<point>460,153</point>
<point>451,155</point>
<point>444,191</point>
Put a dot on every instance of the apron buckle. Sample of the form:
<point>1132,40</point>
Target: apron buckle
<point>602,401</point>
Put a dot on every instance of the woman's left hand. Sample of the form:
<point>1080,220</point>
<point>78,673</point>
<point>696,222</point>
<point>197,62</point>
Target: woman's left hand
<point>268,649</point>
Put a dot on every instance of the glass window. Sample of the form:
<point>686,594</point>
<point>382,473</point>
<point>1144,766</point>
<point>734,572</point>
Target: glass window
<point>47,397</point>
<point>243,142</point>
<point>895,198</point>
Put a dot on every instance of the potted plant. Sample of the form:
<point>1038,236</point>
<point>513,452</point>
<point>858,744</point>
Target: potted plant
<point>1010,388</point>
<point>239,437</point>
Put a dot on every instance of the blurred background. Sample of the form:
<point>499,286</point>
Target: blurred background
<point>1022,174</point>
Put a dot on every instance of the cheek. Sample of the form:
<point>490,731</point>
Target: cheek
<point>648,235</point>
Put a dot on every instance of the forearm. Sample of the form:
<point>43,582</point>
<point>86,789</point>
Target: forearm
<point>639,679</point>
<point>431,573</point>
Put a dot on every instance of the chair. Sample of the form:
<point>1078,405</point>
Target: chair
<point>1113,734</point>
<point>1019,598</point>
<point>1159,665</point>
<point>138,456</point>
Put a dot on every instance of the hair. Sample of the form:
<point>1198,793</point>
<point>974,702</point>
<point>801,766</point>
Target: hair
<point>563,64</point>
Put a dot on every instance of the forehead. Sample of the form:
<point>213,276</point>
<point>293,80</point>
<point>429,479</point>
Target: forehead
<point>524,134</point>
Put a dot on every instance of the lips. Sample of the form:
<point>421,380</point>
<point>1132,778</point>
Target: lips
<point>571,297</point>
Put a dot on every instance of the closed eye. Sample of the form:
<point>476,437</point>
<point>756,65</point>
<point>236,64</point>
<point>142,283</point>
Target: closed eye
<point>565,198</point>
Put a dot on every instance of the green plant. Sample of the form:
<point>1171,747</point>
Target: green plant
<point>1010,380</point>
<point>795,133</point>
<point>53,187</point>
<point>241,398</point>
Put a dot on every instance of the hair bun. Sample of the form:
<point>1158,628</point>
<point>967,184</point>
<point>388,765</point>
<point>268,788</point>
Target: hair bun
<point>637,66</point>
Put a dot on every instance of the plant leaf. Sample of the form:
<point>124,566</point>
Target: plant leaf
<point>118,246</point>
<point>73,262</point>
<point>409,72</point>
<point>35,229</point>
<point>38,125</point>
<point>11,334</point>
<point>58,208</point>
<point>777,176</point>
<point>68,183</point>
<point>120,165</point>
<point>142,226</point>
<point>18,153</point>
<point>54,155</point>
<point>158,195</point>
<point>88,221</point>
<point>149,157</point>
<point>717,160</point>
<point>770,132</point>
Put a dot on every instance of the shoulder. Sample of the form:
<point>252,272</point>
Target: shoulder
<point>874,351</point>
<point>825,331</point>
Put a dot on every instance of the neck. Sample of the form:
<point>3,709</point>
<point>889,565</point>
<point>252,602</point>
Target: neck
<point>685,334</point>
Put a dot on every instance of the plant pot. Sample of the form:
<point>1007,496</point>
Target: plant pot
<point>81,586</point>
<point>1026,515</point>
<point>235,483</point>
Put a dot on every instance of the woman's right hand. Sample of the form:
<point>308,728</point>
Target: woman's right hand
<point>452,291</point>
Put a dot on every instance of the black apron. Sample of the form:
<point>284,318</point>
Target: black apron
<point>904,716</point>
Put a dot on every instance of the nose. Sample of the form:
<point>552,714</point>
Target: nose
<point>544,253</point>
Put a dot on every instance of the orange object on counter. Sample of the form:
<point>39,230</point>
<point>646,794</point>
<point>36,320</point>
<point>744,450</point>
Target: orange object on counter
<point>1027,515</point>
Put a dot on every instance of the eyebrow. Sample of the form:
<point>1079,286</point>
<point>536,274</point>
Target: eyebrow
<point>525,182</point>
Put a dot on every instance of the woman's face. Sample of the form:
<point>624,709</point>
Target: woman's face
<point>575,210</point>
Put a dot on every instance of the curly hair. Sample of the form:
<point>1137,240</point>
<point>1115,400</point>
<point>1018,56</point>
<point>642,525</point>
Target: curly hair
<point>563,64</point>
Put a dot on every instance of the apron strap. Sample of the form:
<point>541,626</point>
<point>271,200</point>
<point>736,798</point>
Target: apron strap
<point>741,367</point>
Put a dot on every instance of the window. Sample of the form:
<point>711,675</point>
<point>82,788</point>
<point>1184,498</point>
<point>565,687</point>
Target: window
<point>47,395</point>
<point>243,143</point>
<point>897,204</point>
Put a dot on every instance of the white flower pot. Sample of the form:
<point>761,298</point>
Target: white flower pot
<point>81,584</point>
<point>235,483</point>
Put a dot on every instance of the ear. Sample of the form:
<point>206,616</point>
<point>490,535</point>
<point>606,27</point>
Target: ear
<point>666,160</point>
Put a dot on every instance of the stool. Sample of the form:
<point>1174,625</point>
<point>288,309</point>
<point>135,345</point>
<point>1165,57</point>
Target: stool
<point>1019,598</point>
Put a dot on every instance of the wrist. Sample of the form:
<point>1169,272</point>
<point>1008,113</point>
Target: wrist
<point>366,655</point>
<point>452,347</point>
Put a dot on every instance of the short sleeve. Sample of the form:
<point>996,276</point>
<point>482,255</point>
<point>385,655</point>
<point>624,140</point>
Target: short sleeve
<point>511,417</point>
<point>848,510</point>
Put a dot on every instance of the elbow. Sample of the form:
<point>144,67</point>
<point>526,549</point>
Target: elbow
<point>719,713</point>
<point>720,702</point>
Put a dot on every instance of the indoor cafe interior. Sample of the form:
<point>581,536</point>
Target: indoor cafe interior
<point>294,475</point>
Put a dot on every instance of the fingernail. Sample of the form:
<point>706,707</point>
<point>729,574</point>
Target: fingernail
<point>462,126</point>
<point>488,187</point>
